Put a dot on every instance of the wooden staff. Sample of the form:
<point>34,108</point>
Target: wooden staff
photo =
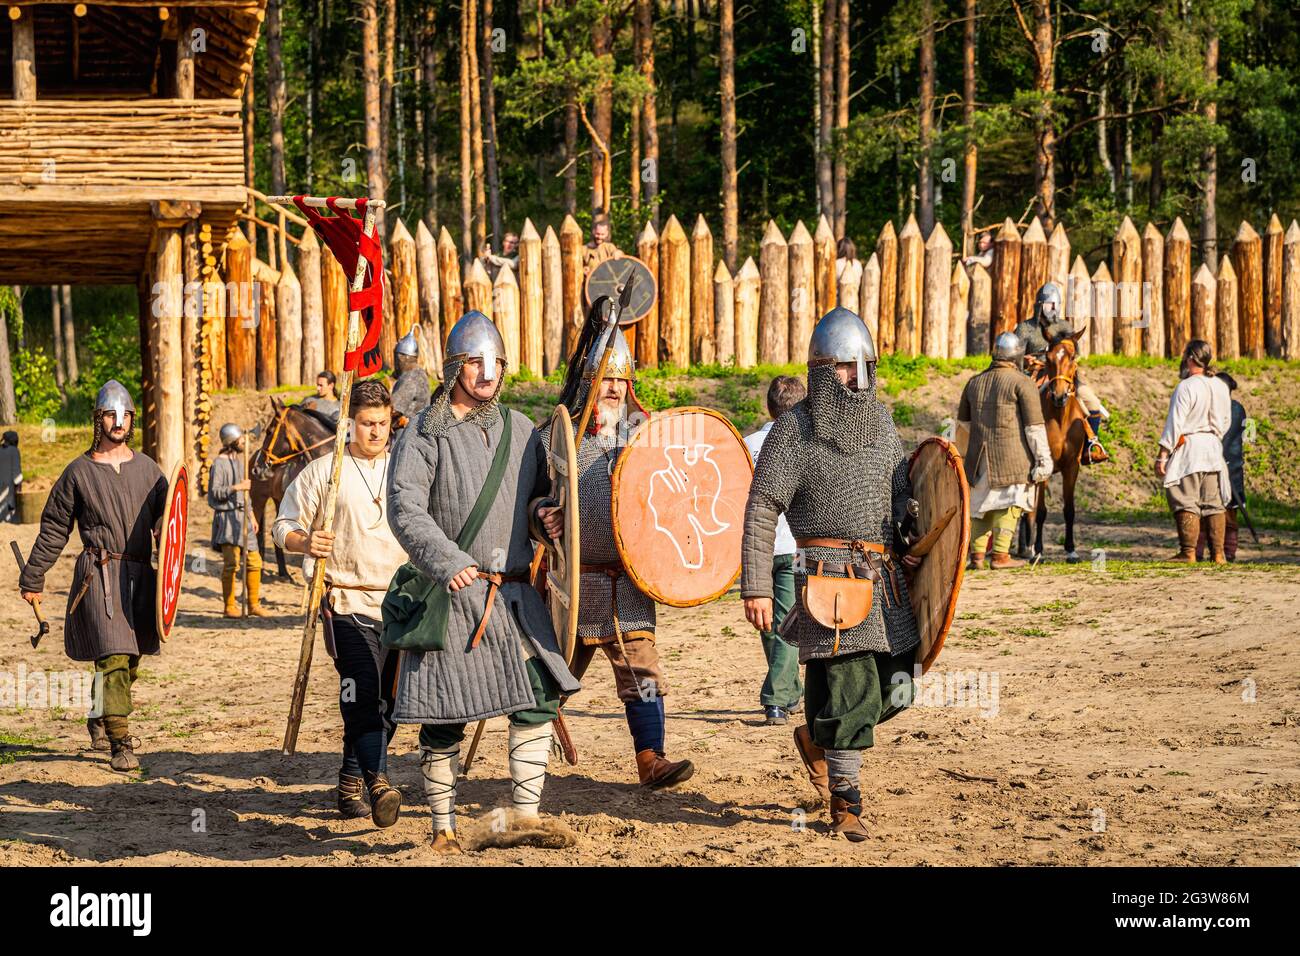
<point>317,584</point>
<point>248,522</point>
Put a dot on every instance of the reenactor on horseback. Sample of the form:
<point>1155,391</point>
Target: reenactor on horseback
<point>1007,451</point>
<point>1040,333</point>
<point>411,389</point>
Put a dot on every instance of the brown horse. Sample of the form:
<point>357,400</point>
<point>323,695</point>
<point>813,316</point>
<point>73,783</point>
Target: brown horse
<point>294,438</point>
<point>1066,434</point>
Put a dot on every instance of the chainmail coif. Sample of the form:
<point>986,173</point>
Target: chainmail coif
<point>438,417</point>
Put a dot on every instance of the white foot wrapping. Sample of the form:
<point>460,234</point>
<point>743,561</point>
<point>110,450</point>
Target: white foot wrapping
<point>440,769</point>
<point>530,751</point>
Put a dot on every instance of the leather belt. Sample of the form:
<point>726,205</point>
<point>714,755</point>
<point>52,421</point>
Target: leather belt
<point>844,544</point>
<point>102,559</point>
<point>494,581</point>
<point>609,570</point>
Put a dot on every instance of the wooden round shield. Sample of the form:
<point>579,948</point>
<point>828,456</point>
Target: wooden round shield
<point>171,550</point>
<point>939,487</point>
<point>610,274</point>
<point>563,559</point>
<point>678,505</point>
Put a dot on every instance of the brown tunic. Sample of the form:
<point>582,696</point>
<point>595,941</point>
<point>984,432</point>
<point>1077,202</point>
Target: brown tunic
<point>116,513</point>
<point>1000,403</point>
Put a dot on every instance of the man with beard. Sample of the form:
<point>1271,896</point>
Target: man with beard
<point>614,615</point>
<point>116,497</point>
<point>834,466</point>
<point>411,389</point>
<point>490,649</point>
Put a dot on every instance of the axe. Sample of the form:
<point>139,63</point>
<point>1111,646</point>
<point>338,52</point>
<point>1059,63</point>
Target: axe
<point>36,605</point>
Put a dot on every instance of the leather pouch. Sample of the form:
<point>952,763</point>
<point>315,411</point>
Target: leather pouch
<point>837,603</point>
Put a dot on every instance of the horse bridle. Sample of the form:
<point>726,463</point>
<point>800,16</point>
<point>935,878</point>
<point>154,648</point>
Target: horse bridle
<point>297,444</point>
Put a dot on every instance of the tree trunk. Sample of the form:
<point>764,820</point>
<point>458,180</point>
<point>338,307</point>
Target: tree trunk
<point>840,169</point>
<point>727,63</point>
<point>429,53</point>
<point>1210,161</point>
<point>69,336</point>
<point>571,159</point>
<point>1045,135</point>
<point>490,130</point>
<point>386,80</point>
<point>925,123</point>
<point>370,81</point>
<point>56,325</point>
<point>602,118</point>
<point>276,94</point>
<point>249,145</point>
<point>8,404</point>
<point>313,80</point>
<point>970,158</point>
<point>476,131</point>
<point>1156,184</point>
<point>1103,140</point>
<point>826,111</point>
<point>649,117</point>
<point>467,249</point>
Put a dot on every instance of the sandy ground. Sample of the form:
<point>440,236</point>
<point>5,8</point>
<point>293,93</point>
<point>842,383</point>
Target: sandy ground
<point>1127,713</point>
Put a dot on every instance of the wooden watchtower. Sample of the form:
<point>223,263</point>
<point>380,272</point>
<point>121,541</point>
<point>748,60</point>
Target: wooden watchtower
<point>122,162</point>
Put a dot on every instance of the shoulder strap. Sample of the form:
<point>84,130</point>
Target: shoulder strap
<point>487,495</point>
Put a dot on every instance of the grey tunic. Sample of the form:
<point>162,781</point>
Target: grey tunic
<point>228,504</point>
<point>114,512</point>
<point>438,466</point>
<point>636,611</point>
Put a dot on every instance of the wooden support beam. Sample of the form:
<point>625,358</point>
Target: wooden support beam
<point>774,299</point>
<point>24,54</point>
<point>647,336</point>
<point>313,307</point>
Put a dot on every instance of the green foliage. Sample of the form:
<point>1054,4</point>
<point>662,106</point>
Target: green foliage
<point>35,389</point>
<point>110,348</point>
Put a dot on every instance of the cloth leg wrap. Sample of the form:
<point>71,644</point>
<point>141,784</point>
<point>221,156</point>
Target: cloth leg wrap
<point>530,751</point>
<point>440,769</point>
<point>645,719</point>
<point>1005,527</point>
<point>843,768</point>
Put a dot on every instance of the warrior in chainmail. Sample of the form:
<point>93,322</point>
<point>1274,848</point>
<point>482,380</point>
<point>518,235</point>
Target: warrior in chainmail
<point>834,466</point>
<point>614,615</point>
<point>497,653</point>
<point>411,389</point>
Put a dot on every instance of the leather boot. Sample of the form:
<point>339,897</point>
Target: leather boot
<point>228,576</point>
<point>1218,525</point>
<point>98,734</point>
<point>385,800</point>
<point>255,608</point>
<point>446,844</point>
<point>657,772</point>
<point>1188,526</point>
<point>1202,539</point>
<point>976,562</point>
<point>122,745</point>
<point>1230,541</point>
<point>1000,562</point>
<point>846,815</point>
<point>349,801</point>
<point>814,761</point>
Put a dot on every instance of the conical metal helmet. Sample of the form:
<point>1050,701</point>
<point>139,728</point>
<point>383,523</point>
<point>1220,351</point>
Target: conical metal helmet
<point>408,344</point>
<point>113,397</point>
<point>1008,347</point>
<point>1047,305</point>
<point>621,363</point>
<point>841,336</point>
<point>475,336</point>
<point>229,434</point>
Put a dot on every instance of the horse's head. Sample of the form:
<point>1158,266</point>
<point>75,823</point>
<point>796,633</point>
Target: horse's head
<point>275,442</point>
<point>1062,362</point>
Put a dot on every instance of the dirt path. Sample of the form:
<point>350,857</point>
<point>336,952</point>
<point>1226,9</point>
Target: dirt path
<point>1136,713</point>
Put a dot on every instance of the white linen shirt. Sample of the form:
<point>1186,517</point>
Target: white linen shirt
<point>1200,410</point>
<point>784,543</point>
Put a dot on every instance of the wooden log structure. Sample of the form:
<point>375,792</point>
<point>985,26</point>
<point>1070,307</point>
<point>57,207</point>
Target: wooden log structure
<point>703,346</point>
<point>531,344</point>
<point>936,295</point>
<point>911,289</point>
<point>824,268</point>
<point>478,291</point>
<point>1274,239</point>
<point>1248,264</point>
<point>1177,289</point>
<point>745,290</point>
<point>958,305</point>
<point>241,333</point>
<point>887,294</point>
<point>505,313</point>
<point>571,282</point>
<point>191,342</point>
<point>552,303</point>
<point>979,317</point>
<point>429,296</point>
<point>1203,305</point>
<point>1154,331</point>
<point>313,307</point>
<point>647,335</point>
<point>167,306</point>
<point>774,298</point>
<point>23,55</point>
<point>334,292</point>
<point>1126,270</point>
<point>288,312</point>
<point>264,317</point>
<point>1078,304</point>
<point>406,283</point>
<point>848,286</point>
<point>1291,293</point>
<point>1103,312</point>
<point>802,279</point>
<point>450,293</point>
<point>724,316</point>
<point>1228,324</point>
<point>1006,280</point>
<point>1058,258</point>
<point>1034,267</point>
<point>869,297</point>
<point>675,295</point>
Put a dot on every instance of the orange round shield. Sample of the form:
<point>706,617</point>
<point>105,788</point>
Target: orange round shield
<point>678,505</point>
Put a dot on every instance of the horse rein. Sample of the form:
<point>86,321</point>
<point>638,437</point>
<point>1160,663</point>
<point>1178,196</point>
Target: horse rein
<point>297,444</point>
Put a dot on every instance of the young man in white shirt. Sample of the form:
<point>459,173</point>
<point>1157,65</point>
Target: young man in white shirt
<point>361,556</point>
<point>1191,458</point>
<point>782,690</point>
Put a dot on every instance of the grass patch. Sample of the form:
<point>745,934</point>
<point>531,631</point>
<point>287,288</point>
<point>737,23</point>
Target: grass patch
<point>1057,605</point>
<point>14,746</point>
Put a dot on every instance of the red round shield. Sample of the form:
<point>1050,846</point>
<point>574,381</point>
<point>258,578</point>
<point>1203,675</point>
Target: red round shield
<point>678,505</point>
<point>171,549</point>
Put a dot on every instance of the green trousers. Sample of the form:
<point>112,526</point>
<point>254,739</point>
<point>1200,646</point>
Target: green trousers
<point>849,694</point>
<point>1001,522</point>
<point>546,705</point>
<point>115,674</point>
<point>781,687</point>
